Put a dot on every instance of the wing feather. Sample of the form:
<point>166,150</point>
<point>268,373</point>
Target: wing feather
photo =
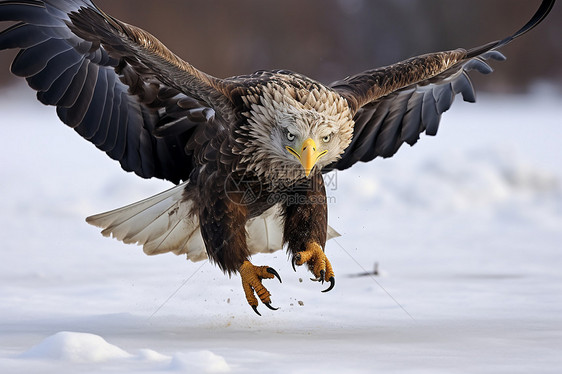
<point>410,125</point>
<point>54,69</point>
<point>52,94</point>
<point>22,35</point>
<point>114,83</point>
<point>90,123</point>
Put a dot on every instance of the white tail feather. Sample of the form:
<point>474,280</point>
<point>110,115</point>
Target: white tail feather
<point>164,223</point>
<point>265,233</point>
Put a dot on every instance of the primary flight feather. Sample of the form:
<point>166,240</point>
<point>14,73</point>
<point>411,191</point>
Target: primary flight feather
<point>247,153</point>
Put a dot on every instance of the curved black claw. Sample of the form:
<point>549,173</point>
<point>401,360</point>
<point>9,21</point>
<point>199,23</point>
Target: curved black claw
<point>320,278</point>
<point>255,308</point>
<point>332,284</point>
<point>270,307</point>
<point>275,273</point>
<point>293,260</point>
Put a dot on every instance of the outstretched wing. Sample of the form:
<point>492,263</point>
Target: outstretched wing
<point>115,84</point>
<point>393,105</point>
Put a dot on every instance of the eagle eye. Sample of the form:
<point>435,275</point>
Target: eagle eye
<point>327,138</point>
<point>290,136</point>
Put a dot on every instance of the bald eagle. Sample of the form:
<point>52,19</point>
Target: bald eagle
<point>246,153</point>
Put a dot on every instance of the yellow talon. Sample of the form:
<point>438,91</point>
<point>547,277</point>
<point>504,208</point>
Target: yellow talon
<point>318,263</point>
<point>251,282</point>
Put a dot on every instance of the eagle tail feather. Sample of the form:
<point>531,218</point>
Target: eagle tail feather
<point>161,223</point>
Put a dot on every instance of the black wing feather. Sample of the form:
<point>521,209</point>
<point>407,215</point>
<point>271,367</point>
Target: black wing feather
<point>381,127</point>
<point>88,125</point>
<point>22,35</point>
<point>115,105</point>
<point>55,67</point>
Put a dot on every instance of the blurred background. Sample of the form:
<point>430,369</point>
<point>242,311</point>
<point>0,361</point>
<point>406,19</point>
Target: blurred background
<point>330,39</point>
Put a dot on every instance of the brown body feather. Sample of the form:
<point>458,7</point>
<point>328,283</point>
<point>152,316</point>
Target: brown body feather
<point>306,215</point>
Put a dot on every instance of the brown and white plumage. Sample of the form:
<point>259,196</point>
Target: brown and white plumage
<point>269,135</point>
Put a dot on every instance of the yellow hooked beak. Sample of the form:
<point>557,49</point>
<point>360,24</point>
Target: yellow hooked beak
<point>308,156</point>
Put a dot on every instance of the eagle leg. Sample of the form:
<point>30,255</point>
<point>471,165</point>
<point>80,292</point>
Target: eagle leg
<point>251,282</point>
<point>318,264</point>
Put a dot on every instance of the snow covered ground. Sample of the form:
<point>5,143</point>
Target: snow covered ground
<point>466,228</point>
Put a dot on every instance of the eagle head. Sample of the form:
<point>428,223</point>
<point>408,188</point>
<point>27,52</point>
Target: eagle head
<point>291,132</point>
<point>305,139</point>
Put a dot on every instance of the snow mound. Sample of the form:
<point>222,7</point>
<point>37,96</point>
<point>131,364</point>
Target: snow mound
<point>149,355</point>
<point>201,361</point>
<point>477,179</point>
<point>75,347</point>
<point>484,177</point>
